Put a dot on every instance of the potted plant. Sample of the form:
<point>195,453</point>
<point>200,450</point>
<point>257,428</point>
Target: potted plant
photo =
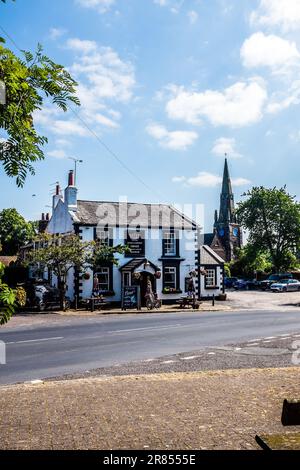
<point>86,276</point>
<point>158,274</point>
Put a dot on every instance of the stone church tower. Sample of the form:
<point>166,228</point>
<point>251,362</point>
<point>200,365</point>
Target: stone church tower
<point>227,234</point>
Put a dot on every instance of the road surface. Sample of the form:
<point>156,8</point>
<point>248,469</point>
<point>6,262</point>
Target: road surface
<point>44,351</point>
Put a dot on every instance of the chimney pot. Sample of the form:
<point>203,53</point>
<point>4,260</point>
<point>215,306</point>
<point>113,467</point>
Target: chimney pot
<point>71,178</point>
<point>57,191</point>
<point>43,216</point>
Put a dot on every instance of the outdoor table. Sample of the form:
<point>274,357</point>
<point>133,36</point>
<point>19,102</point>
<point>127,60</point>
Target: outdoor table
<point>96,302</point>
<point>188,302</point>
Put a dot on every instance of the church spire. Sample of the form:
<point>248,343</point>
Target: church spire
<point>227,213</point>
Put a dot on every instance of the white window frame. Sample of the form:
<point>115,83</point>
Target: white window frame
<point>129,279</point>
<point>210,278</point>
<point>170,270</point>
<point>169,244</point>
<point>103,237</point>
<point>103,271</point>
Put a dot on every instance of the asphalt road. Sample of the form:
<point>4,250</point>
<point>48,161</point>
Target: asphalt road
<point>44,351</point>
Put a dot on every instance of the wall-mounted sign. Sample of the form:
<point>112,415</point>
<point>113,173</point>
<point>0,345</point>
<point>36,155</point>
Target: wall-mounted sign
<point>131,298</point>
<point>136,243</point>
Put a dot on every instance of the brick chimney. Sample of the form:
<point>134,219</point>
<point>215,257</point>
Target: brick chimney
<point>57,197</point>
<point>43,223</point>
<point>71,193</point>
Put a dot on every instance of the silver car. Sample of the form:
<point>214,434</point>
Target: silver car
<point>286,285</point>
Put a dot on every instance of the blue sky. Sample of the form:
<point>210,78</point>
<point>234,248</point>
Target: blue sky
<point>169,86</point>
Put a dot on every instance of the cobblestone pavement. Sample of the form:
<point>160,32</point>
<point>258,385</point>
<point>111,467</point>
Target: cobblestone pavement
<point>202,410</point>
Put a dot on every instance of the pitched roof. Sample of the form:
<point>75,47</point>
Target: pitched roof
<point>209,256</point>
<point>125,214</point>
<point>7,260</point>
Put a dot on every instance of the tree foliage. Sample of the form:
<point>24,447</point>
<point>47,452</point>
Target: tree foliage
<point>10,299</point>
<point>249,261</point>
<point>14,231</point>
<point>29,80</point>
<point>272,217</point>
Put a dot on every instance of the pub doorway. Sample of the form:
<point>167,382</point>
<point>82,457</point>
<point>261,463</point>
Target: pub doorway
<point>145,277</point>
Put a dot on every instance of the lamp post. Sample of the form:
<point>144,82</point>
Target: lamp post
<point>75,160</point>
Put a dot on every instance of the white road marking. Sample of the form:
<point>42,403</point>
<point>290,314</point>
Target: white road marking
<point>254,340</point>
<point>36,340</point>
<point>270,337</point>
<point>238,349</point>
<point>252,344</point>
<point>285,335</point>
<point>168,362</point>
<point>189,358</point>
<point>268,341</point>
<point>211,354</point>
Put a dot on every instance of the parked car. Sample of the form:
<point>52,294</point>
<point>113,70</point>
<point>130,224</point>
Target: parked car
<point>43,297</point>
<point>266,284</point>
<point>240,284</point>
<point>286,285</point>
<point>230,281</point>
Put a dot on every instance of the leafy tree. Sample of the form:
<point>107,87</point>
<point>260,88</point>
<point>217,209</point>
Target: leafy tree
<point>10,299</point>
<point>249,261</point>
<point>103,253</point>
<point>272,217</point>
<point>29,80</point>
<point>60,254</point>
<point>14,231</point>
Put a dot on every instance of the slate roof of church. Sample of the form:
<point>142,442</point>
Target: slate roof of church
<point>144,215</point>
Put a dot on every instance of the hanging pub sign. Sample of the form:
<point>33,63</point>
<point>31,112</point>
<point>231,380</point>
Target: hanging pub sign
<point>136,244</point>
<point>131,298</point>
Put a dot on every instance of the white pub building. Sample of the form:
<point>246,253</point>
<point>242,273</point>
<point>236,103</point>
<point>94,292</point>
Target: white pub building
<point>165,248</point>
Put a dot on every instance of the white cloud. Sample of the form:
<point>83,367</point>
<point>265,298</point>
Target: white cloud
<point>240,182</point>
<point>56,33</point>
<point>178,179</point>
<point>102,6</point>
<point>162,3</point>
<point>70,127</point>
<point>239,105</point>
<point>282,13</point>
<point>173,140</point>
<point>226,145</point>
<point>283,100</point>
<point>63,143</point>
<point>59,154</point>
<point>192,16</point>
<point>81,46</point>
<point>208,180</point>
<point>104,80</point>
<point>271,51</point>
<point>174,5</point>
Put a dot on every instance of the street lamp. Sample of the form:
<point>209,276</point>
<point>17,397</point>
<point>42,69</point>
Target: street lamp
<point>75,160</point>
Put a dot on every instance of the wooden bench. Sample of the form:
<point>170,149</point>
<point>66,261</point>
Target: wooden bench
<point>95,303</point>
<point>188,302</point>
<point>285,441</point>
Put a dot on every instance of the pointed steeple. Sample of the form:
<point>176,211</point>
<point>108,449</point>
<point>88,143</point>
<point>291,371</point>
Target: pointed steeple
<point>227,213</point>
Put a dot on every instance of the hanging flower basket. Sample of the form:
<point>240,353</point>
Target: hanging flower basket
<point>136,276</point>
<point>158,274</point>
<point>86,276</point>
